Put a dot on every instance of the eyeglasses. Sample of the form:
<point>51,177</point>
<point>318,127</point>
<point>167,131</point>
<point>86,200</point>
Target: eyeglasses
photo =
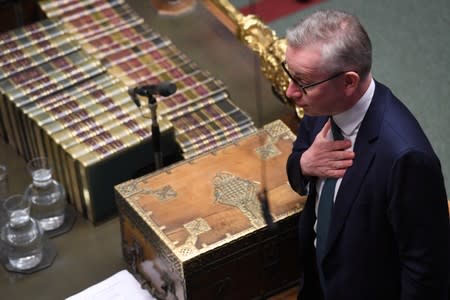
<point>303,87</point>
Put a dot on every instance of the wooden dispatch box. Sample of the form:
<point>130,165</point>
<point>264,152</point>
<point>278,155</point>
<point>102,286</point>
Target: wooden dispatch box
<point>195,230</point>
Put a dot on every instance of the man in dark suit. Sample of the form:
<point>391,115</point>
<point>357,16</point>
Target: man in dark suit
<point>375,224</point>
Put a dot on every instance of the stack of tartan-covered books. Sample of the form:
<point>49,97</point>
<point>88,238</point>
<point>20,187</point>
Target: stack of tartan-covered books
<point>61,103</point>
<point>131,51</point>
<point>64,84</point>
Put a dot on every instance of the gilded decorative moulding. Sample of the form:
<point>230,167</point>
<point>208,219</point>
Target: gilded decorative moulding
<point>263,41</point>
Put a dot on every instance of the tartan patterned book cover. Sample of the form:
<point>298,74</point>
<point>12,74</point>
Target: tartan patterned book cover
<point>158,49</point>
<point>94,102</point>
<point>182,100</point>
<point>140,71</point>
<point>80,9</point>
<point>200,117</point>
<point>53,80</point>
<point>46,55</point>
<point>33,50</point>
<point>30,34</point>
<point>213,129</point>
<point>71,93</point>
<point>106,45</point>
<point>121,29</point>
<point>12,84</point>
<point>58,7</point>
<point>92,25</point>
<point>218,141</point>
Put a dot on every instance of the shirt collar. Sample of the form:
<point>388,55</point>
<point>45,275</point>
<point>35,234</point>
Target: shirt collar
<point>350,120</point>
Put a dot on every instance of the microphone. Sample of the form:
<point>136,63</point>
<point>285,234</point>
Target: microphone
<point>163,89</point>
<point>134,97</point>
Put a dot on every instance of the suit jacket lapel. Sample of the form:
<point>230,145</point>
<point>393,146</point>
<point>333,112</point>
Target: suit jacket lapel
<point>364,155</point>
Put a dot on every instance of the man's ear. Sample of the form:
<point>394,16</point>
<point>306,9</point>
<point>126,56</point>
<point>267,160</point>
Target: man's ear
<point>351,82</point>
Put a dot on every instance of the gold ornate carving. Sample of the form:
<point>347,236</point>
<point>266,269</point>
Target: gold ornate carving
<point>232,190</point>
<point>261,39</point>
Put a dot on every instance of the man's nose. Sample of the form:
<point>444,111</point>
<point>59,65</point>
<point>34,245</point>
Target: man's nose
<point>293,90</point>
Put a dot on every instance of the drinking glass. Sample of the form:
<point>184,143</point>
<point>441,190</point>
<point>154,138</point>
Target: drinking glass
<point>22,235</point>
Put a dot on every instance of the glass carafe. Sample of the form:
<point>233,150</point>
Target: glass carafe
<point>46,195</point>
<point>22,235</point>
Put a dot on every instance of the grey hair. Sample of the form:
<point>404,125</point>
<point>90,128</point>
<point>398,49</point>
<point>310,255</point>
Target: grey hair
<point>344,42</point>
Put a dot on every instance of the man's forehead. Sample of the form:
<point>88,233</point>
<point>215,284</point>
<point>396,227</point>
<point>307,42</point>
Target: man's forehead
<point>303,61</point>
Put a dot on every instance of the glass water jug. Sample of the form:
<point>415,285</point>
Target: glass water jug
<point>46,195</point>
<point>22,235</point>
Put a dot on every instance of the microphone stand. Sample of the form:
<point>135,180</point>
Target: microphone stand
<point>163,89</point>
<point>156,134</point>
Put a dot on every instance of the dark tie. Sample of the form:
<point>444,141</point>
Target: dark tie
<point>326,204</point>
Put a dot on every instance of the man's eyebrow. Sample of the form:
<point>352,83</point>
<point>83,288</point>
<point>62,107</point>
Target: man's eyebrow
<point>301,75</point>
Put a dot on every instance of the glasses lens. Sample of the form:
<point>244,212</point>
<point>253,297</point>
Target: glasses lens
<point>286,69</point>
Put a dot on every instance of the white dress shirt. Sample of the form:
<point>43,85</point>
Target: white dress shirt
<point>349,122</point>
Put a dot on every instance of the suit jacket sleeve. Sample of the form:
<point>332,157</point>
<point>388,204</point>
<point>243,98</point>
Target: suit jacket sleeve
<point>419,218</point>
<point>309,127</point>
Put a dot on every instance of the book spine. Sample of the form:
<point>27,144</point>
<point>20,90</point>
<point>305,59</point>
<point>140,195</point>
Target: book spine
<point>135,71</point>
<point>157,50</point>
<point>78,121</point>
<point>83,130</point>
<point>100,148</point>
<point>32,50</point>
<point>64,63</point>
<point>5,120</point>
<point>12,38</point>
<point>229,137</point>
<point>32,39</point>
<point>96,99</point>
<point>51,73</point>
<point>214,129</point>
<point>40,58</point>
<point>90,33</point>
<point>87,25</point>
<point>183,99</point>
<point>50,85</point>
<point>95,111</point>
<point>203,116</point>
<point>108,46</point>
<point>179,68</point>
<point>63,8</point>
<point>124,35</point>
<point>87,164</point>
<point>51,4</point>
<point>217,97</point>
<point>79,90</point>
<point>77,12</point>
<point>102,9</point>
